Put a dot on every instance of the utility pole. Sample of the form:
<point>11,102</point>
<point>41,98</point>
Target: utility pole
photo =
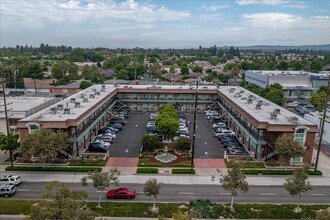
<point>194,129</point>
<point>326,98</point>
<point>7,122</point>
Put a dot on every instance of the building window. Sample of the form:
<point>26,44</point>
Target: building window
<point>300,137</point>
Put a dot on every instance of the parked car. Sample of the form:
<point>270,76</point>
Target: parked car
<point>115,125</point>
<point>7,190</point>
<point>10,179</point>
<point>111,128</point>
<point>151,124</point>
<point>229,139</point>
<point>152,129</point>
<point>121,193</point>
<point>105,137</point>
<point>106,130</point>
<point>237,152</point>
<point>118,121</point>
<point>292,104</point>
<point>97,147</point>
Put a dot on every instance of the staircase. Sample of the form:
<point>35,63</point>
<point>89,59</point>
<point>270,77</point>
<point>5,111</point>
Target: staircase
<point>271,154</point>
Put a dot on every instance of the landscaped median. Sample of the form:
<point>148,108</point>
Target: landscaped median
<point>132,209</point>
<point>55,169</point>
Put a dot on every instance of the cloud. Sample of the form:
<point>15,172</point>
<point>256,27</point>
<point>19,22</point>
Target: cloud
<point>298,6</point>
<point>210,17</point>
<point>274,20</point>
<point>321,17</point>
<point>38,13</point>
<point>214,7</point>
<point>261,2</point>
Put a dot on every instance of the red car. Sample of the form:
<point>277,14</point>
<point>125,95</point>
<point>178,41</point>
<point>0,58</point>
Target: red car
<point>121,193</point>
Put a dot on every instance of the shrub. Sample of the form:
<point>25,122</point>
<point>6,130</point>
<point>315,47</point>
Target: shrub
<point>147,170</point>
<point>251,172</point>
<point>277,172</point>
<point>272,162</point>
<point>183,144</point>
<point>150,142</point>
<point>205,209</point>
<point>183,171</point>
<point>55,169</point>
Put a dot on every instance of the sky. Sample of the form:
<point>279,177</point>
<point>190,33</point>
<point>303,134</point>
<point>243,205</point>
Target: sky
<point>164,23</point>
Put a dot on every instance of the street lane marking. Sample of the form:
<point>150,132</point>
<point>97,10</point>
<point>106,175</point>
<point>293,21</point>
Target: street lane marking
<point>23,190</point>
<point>267,194</point>
<point>316,194</point>
<point>224,193</point>
<point>186,193</point>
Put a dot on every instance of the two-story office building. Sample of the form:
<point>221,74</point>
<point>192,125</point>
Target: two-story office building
<point>256,121</point>
<point>296,84</point>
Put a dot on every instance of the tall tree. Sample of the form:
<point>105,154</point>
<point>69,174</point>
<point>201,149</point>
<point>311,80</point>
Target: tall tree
<point>61,203</point>
<point>44,144</point>
<point>152,188</point>
<point>101,180</point>
<point>288,148</point>
<point>234,181</point>
<point>298,184</point>
<point>9,144</point>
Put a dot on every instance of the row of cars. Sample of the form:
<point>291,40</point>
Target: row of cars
<point>302,107</point>
<point>182,131</point>
<point>8,185</point>
<point>108,134</point>
<point>225,135</point>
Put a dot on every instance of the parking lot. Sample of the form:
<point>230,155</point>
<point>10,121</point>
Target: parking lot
<point>128,140</point>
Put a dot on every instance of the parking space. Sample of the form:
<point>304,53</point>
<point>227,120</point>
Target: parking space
<point>128,140</point>
<point>206,145</point>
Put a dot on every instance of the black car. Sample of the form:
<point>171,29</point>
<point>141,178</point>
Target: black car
<point>116,125</point>
<point>97,147</point>
<point>152,129</point>
<point>118,121</point>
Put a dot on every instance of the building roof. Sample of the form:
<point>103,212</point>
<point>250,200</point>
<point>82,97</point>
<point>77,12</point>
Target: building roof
<point>236,94</point>
<point>73,85</point>
<point>265,113</point>
<point>20,106</point>
<point>30,83</point>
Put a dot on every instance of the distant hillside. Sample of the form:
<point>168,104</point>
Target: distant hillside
<point>279,47</point>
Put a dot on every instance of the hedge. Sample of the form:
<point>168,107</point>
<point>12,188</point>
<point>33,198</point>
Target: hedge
<point>278,172</point>
<point>55,169</point>
<point>147,170</point>
<point>183,171</point>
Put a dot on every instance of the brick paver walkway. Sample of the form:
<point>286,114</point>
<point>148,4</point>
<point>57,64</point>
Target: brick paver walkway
<point>210,163</point>
<point>122,162</point>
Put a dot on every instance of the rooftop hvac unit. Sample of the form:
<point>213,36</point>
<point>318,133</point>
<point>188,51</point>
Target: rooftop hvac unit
<point>258,106</point>
<point>242,91</point>
<point>53,110</point>
<point>97,93</point>
<point>273,116</point>
<point>94,90</point>
<point>293,120</point>
<point>73,100</point>
<point>260,102</point>
<point>231,90</point>
<point>91,96</point>
<point>249,101</point>
<point>85,100</point>
<point>67,111</point>
<point>277,111</point>
<point>244,98</point>
<point>237,95</point>
<point>103,88</point>
<point>82,96</point>
<point>60,106</point>
<point>77,104</point>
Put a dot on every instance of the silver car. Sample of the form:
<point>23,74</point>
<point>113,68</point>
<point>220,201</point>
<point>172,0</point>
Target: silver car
<point>7,190</point>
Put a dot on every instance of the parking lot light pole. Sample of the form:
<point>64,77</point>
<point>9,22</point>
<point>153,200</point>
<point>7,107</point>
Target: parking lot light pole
<point>194,129</point>
<point>326,98</point>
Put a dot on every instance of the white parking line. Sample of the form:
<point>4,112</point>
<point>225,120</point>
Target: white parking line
<point>317,194</point>
<point>224,193</point>
<point>185,193</point>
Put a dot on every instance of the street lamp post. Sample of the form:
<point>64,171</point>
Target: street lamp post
<point>194,129</point>
<point>326,98</point>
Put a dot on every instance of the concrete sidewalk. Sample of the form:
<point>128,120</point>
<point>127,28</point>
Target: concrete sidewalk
<point>166,179</point>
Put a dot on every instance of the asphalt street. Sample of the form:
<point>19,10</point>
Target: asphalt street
<point>185,193</point>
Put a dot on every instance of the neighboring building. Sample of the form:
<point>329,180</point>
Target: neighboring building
<point>296,84</point>
<point>256,121</point>
<point>37,85</point>
<point>21,107</point>
<point>70,88</point>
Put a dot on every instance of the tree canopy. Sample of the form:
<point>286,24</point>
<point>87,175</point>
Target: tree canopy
<point>288,148</point>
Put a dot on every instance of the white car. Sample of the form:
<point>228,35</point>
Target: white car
<point>292,104</point>
<point>105,143</point>
<point>10,179</point>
